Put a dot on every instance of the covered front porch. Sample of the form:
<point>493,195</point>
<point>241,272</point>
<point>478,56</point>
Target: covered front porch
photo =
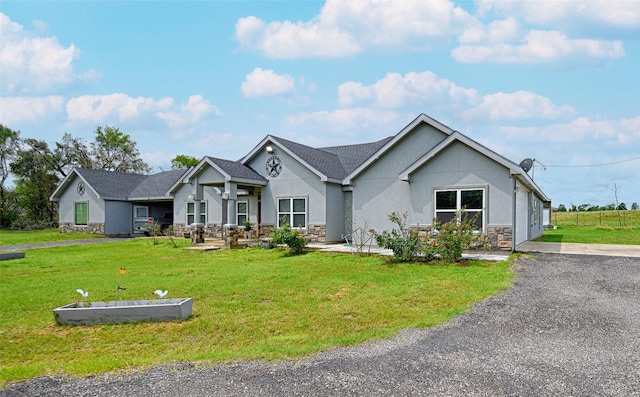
<point>220,198</point>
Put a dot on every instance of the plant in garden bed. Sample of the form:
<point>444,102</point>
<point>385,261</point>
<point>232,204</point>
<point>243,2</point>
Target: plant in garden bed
<point>292,238</point>
<point>446,241</point>
<point>449,239</point>
<point>404,243</point>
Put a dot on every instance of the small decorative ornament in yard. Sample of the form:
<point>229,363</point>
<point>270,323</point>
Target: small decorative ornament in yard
<point>122,271</point>
<point>161,294</point>
<point>82,293</point>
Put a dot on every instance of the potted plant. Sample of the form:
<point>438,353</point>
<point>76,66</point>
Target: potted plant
<point>247,228</point>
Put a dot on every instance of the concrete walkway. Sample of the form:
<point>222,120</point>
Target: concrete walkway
<point>480,255</point>
<point>632,251</point>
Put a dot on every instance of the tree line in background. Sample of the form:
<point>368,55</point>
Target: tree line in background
<point>589,207</point>
<point>37,169</point>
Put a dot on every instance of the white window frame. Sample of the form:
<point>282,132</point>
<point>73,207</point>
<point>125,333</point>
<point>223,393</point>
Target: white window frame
<point>75,216</point>
<point>243,214</point>
<point>291,213</point>
<point>203,212</point>
<point>459,203</point>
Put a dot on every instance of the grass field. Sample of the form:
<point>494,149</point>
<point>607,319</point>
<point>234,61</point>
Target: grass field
<point>248,304</point>
<point>595,227</point>
<point>10,237</point>
<point>612,219</point>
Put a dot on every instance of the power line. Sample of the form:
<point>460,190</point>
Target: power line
<point>589,165</point>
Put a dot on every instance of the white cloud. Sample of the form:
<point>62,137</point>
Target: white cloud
<point>101,108</point>
<point>519,105</point>
<point>539,46</point>
<point>345,28</point>
<point>30,64</point>
<point>616,14</point>
<point>344,123</point>
<point>27,109</point>
<point>593,131</point>
<point>190,113</point>
<point>261,83</point>
<point>501,31</point>
<point>414,88</point>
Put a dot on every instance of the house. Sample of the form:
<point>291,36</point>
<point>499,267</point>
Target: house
<point>426,170</point>
<point>112,203</point>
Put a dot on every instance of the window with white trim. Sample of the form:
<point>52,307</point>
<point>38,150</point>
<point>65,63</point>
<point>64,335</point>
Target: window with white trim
<point>242,212</point>
<point>81,213</point>
<point>191,212</point>
<point>469,201</point>
<point>293,210</point>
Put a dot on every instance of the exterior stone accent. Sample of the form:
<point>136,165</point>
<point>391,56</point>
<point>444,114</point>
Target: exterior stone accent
<point>315,233</point>
<point>231,236</point>
<point>497,238</point>
<point>91,228</point>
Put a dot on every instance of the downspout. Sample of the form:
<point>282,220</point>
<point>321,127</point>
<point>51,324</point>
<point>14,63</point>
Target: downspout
<point>513,216</point>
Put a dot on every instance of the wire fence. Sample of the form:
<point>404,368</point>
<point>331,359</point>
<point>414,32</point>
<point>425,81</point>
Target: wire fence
<point>629,218</point>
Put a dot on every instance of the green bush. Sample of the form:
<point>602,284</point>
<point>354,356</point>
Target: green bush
<point>445,241</point>
<point>292,238</point>
<point>405,245</point>
<point>448,240</point>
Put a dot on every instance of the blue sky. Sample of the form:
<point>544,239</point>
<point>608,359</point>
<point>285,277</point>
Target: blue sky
<point>556,81</point>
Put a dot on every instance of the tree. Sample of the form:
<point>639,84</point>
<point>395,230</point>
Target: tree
<point>39,169</point>
<point>622,207</point>
<point>9,144</point>
<point>36,170</point>
<point>615,189</point>
<point>114,150</point>
<point>562,208</point>
<point>635,206</point>
<point>182,161</point>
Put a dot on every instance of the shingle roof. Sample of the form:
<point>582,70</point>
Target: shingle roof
<point>236,169</point>
<point>335,161</point>
<point>122,185</point>
<point>351,156</point>
<point>156,185</point>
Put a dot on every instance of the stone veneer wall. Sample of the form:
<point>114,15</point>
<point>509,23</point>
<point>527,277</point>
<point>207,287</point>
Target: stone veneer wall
<point>497,237</point>
<point>315,233</point>
<point>93,228</point>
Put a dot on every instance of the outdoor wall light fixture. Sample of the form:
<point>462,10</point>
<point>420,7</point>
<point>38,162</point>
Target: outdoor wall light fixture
<point>269,149</point>
<point>225,195</point>
<point>192,196</point>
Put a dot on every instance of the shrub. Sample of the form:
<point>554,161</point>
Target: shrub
<point>448,240</point>
<point>406,246</point>
<point>292,238</point>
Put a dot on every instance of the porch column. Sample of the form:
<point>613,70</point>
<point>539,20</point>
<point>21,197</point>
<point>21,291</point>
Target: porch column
<point>197,192</point>
<point>197,228</point>
<point>231,189</point>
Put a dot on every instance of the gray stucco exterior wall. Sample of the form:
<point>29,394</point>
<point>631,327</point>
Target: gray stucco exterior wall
<point>295,180</point>
<point>120,220</point>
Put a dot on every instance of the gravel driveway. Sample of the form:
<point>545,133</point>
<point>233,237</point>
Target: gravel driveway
<point>570,326</point>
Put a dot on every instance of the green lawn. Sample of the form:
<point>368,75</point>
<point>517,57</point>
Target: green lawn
<point>595,227</point>
<point>248,304</point>
<point>11,237</point>
<point>592,235</point>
